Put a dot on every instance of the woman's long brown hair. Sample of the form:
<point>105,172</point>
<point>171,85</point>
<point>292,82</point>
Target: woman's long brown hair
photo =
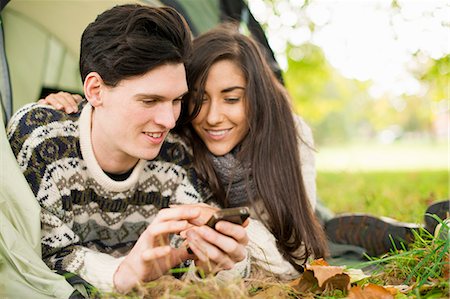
<point>271,147</point>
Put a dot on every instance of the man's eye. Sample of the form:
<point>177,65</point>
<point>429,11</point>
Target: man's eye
<point>148,102</point>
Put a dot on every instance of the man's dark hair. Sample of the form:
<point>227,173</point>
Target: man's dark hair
<point>130,40</point>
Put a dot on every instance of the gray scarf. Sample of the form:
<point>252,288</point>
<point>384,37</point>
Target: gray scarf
<point>230,170</point>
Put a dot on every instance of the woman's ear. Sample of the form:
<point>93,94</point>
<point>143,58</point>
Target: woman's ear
<point>92,89</point>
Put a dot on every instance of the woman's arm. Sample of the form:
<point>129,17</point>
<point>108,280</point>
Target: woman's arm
<point>307,158</point>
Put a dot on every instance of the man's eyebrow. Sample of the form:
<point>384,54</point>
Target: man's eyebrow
<point>156,96</point>
<point>228,89</point>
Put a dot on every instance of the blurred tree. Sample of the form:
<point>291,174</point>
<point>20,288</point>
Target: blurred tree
<point>437,76</point>
<point>351,81</point>
<point>328,101</point>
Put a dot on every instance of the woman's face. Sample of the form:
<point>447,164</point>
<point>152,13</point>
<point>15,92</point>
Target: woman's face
<point>222,121</point>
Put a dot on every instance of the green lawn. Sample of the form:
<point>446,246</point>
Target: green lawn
<point>403,195</point>
<point>397,180</point>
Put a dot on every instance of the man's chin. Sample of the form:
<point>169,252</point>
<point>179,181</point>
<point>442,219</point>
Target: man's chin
<point>150,154</point>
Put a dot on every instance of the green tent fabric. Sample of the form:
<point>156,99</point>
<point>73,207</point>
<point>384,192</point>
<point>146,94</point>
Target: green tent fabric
<point>22,271</point>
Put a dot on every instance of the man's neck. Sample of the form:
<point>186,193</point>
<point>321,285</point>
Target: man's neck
<point>108,159</point>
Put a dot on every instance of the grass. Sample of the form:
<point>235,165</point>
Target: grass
<point>424,266</point>
<point>403,195</point>
<point>397,180</point>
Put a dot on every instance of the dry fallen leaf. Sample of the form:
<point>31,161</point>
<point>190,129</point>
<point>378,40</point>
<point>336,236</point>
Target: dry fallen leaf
<point>370,291</point>
<point>320,276</point>
<point>324,273</point>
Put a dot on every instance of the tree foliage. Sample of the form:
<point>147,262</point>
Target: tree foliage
<point>342,109</point>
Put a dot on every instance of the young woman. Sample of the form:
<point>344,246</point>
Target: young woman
<point>247,145</point>
<point>245,140</point>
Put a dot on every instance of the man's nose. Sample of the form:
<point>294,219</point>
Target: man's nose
<point>166,115</point>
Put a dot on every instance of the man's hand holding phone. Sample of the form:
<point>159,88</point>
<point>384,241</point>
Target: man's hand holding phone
<point>220,243</point>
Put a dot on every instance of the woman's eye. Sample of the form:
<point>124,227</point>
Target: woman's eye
<point>232,100</point>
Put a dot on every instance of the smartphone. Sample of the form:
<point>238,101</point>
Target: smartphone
<point>234,215</point>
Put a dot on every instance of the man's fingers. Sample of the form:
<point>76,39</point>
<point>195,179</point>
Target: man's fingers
<point>177,213</point>
<point>226,241</point>
<point>208,253</point>
<point>206,211</point>
<point>246,222</point>
<point>204,250</point>
<point>155,253</point>
<point>155,230</point>
<point>195,249</point>
<point>235,231</point>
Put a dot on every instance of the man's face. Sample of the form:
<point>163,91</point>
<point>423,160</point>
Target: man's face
<point>136,115</point>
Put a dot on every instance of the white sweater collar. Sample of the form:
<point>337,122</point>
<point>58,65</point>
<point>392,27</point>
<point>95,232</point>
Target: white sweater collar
<point>93,167</point>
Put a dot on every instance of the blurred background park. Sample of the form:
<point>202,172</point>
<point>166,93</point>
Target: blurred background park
<point>371,78</point>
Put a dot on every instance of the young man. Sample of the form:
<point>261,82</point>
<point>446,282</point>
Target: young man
<point>94,173</point>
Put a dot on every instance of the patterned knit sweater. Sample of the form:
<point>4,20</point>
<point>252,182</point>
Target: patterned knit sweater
<point>89,221</point>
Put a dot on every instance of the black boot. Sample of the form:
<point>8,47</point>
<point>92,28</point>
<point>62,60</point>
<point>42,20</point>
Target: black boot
<point>377,235</point>
<point>441,209</point>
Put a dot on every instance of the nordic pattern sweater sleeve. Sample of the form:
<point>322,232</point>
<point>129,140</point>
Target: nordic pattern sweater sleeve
<point>89,222</point>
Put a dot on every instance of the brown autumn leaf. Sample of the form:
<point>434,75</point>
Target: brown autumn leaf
<point>370,291</point>
<point>324,273</point>
<point>306,283</point>
<point>321,276</point>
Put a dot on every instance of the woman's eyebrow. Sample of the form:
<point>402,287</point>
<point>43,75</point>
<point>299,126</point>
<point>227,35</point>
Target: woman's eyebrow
<point>228,89</point>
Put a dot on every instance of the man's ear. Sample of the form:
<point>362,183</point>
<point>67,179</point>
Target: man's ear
<point>92,89</point>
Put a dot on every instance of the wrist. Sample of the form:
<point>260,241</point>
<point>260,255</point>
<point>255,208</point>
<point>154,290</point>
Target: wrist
<point>124,280</point>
